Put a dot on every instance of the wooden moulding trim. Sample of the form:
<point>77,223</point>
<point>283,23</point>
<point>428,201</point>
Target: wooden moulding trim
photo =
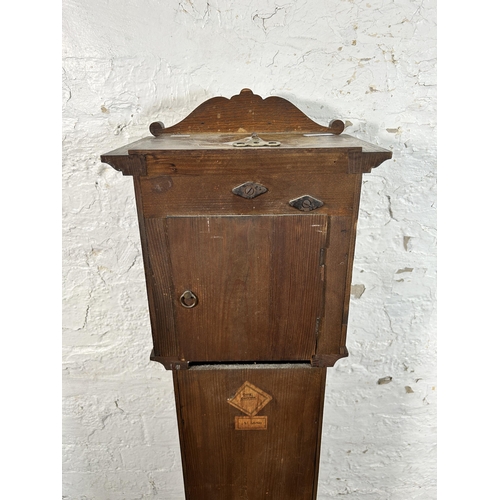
<point>318,361</point>
<point>362,163</point>
<point>328,360</point>
<point>170,363</point>
<point>127,165</point>
<point>246,112</point>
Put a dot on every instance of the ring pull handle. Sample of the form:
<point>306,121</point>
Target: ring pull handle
<point>188,299</point>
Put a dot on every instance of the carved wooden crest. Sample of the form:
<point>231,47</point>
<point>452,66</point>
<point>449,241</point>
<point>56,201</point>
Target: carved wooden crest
<point>246,113</point>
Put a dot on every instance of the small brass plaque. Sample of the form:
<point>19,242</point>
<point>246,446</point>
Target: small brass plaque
<point>250,423</point>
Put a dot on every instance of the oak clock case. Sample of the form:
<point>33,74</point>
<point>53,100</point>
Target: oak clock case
<point>247,212</point>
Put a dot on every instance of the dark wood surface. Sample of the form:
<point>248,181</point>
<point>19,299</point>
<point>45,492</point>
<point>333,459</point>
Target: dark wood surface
<point>212,153</point>
<point>236,258</point>
<point>222,463</point>
<point>262,282</point>
<point>246,112</point>
<point>338,261</point>
<point>271,161</point>
<point>224,142</point>
<point>166,195</point>
<point>215,125</point>
<point>258,280</point>
<point>295,141</point>
<point>269,283</point>
<point>185,177</point>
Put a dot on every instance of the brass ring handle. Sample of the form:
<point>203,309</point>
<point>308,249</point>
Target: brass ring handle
<point>188,299</point>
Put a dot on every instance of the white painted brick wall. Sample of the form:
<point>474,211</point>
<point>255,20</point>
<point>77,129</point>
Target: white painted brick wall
<point>369,63</point>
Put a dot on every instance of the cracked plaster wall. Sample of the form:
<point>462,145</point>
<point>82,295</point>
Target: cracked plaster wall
<point>369,63</point>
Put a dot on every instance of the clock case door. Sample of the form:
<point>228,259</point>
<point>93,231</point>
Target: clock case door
<point>258,282</point>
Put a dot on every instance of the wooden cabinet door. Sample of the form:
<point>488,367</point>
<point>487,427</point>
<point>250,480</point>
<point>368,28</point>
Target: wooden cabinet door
<point>258,284</point>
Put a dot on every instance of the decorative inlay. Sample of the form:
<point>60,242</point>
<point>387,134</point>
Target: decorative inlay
<point>306,203</point>
<point>250,399</point>
<point>249,190</point>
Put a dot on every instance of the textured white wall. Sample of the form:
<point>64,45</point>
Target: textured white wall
<point>370,63</point>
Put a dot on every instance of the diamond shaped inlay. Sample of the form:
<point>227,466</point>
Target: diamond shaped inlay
<point>306,203</point>
<point>249,399</point>
<point>249,190</point>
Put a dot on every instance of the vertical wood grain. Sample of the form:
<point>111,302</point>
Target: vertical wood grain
<point>223,463</point>
<point>164,333</point>
<point>150,288</point>
<point>336,269</point>
<point>258,281</point>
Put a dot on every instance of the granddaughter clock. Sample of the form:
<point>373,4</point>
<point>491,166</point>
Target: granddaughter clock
<point>247,213</point>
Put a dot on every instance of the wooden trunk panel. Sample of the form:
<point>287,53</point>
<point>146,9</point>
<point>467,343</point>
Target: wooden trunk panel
<point>222,463</point>
<point>249,274</point>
